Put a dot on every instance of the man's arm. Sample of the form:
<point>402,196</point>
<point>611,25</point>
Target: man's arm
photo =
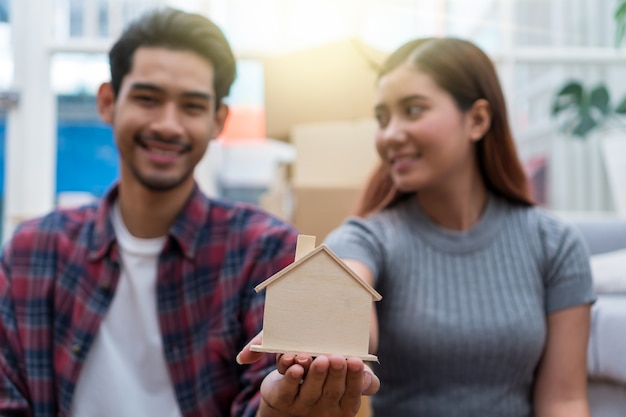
<point>13,402</point>
<point>270,247</point>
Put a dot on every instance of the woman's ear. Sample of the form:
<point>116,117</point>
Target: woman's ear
<point>106,102</point>
<point>479,116</point>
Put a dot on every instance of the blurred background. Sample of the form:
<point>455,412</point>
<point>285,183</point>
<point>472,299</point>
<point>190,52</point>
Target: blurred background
<point>299,140</point>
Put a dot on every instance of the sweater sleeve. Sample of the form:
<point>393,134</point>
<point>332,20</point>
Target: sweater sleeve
<point>567,272</point>
<point>361,240</point>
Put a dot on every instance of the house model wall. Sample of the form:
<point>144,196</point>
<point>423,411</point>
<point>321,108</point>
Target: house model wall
<point>317,305</point>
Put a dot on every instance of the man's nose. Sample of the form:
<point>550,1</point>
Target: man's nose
<point>168,123</point>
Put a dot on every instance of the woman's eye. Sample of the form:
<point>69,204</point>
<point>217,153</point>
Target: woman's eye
<point>382,119</point>
<point>414,110</point>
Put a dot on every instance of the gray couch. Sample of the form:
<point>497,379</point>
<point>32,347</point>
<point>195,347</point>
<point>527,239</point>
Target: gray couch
<point>607,344</point>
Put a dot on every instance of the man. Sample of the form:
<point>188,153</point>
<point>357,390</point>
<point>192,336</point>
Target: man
<point>138,305</point>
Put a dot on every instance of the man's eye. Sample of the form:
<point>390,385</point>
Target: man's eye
<point>146,99</point>
<point>196,106</point>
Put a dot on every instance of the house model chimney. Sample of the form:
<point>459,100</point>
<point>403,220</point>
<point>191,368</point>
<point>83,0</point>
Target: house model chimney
<point>304,245</point>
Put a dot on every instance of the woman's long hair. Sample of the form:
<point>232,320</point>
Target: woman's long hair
<point>467,74</point>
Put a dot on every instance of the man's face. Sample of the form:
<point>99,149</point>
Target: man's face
<point>163,117</point>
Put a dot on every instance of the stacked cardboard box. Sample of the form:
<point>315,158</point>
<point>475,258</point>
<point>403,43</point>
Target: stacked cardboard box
<point>333,162</point>
<point>332,82</point>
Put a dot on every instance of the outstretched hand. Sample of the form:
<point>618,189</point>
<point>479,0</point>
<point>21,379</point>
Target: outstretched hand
<point>246,356</point>
<point>304,386</point>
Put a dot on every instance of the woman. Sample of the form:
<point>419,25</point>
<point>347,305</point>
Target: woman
<point>486,298</point>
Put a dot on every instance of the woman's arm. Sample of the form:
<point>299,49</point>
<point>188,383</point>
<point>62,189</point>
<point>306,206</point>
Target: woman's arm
<point>561,384</point>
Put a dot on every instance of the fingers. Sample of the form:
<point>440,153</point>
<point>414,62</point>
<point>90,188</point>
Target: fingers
<point>311,389</point>
<point>247,356</point>
<point>371,383</point>
<point>280,391</point>
<point>333,383</point>
<point>326,385</point>
<point>284,361</point>
<point>354,384</point>
<point>335,386</point>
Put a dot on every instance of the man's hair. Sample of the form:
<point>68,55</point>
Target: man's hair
<point>176,30</point>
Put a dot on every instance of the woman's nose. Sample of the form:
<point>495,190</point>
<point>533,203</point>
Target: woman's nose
<point>394,131</point>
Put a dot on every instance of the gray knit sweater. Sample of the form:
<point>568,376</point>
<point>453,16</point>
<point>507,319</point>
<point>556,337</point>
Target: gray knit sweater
<point>463,315</point>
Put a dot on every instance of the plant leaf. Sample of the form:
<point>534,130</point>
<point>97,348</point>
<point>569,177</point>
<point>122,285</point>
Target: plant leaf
<point>571,95</point>
<point>621,108</point>
<point>620,12</point>
<point>620,23</point>
<point>585,126</point>
<point>600,99</point>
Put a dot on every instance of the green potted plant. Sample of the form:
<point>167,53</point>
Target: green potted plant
<point>583,170</point>
<point>620,22</point>
<point>583,109</point>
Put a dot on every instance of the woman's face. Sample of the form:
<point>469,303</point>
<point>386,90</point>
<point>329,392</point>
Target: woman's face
<point>423,136</point>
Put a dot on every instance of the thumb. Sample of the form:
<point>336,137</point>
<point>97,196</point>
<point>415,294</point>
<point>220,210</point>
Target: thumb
<point>246,356</point>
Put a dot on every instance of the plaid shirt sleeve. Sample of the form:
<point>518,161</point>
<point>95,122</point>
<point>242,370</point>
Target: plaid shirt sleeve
<point>274,252</point>
<point>206,285</point>
<point>229,249</point>
<point>13,400</point>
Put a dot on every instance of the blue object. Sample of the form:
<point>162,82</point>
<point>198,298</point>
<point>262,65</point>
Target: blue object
<point>87,159</point>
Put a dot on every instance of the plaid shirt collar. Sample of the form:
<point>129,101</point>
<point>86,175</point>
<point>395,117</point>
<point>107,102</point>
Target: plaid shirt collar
<point>186,229</point>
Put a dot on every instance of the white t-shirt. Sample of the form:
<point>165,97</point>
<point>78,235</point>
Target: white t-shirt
<point>125,374</point>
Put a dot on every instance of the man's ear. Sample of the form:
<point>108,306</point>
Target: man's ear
<point>221,115</point>
<point>479,119</point>
<point>106,102</point>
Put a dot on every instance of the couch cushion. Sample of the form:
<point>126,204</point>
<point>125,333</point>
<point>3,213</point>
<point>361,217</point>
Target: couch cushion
<point>602,234</point>
<point>606,399</point>
<point>609,272</point>
<point>607,344</point>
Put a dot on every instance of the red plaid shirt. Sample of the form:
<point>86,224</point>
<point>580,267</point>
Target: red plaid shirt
<point>58,276</point>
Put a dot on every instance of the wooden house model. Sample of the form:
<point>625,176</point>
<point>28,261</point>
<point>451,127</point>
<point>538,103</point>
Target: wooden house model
<point>317,305</point>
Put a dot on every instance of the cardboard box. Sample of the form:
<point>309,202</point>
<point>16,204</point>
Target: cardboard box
<point>331,82</point>
<point>332,165</point>
<point>278,198</point>
<point>334,154</point>
<point>319,210</point>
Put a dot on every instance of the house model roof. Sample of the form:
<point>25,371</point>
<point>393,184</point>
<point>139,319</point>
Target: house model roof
<point>322,248</point>
<point>318,289</point>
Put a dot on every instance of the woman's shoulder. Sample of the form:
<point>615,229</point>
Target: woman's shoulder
<point>388,219</point>
<point>375,228</point>
<point>551,230</point>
